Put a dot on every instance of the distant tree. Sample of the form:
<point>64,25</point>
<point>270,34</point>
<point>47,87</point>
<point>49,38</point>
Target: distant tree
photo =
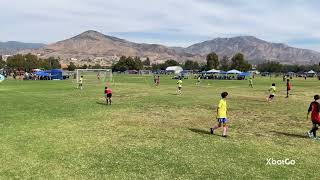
<point>51,63</point>
<point>225,63</point>
<point>2,62</point>
<point>191,65</point>
<point>31,62</point>
<point>270,66</point>
<point>238,62</point>
<point>171,62</point>
<point>138,63</point>
<point>128,63</point>
<point>85,66</point>
<point>16,62</point>
<point>146,62</point>
<point>97,66</point>
<point>72,66</point>
<point>212,61</point>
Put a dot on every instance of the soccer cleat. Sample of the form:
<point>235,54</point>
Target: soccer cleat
<point>309,134</point>
<point>211,131</point>
<point>224,136</point>
<point>316,138</point>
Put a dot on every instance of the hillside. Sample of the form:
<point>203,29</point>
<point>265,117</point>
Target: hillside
<point>12,47</point>
<point>255,50</point>
<point>99,47</point>
<point>93,47</point>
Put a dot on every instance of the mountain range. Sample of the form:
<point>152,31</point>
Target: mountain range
<point>94,47</point>
<point>12,47</point>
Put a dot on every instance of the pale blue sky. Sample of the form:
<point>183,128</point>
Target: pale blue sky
<point>168,22</point>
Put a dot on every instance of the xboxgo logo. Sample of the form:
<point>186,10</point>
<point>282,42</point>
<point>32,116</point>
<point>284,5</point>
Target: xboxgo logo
<point>280,162</point>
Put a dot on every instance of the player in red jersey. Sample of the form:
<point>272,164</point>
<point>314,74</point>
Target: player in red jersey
<point>108,95</point>
<point>314,108</point>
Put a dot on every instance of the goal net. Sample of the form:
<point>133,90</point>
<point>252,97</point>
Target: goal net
<point>94,76</point>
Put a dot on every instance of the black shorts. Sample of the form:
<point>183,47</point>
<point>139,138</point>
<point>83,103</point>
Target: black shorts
<point>179,88</point>
<point>271,96</point>
<point>109,95</point>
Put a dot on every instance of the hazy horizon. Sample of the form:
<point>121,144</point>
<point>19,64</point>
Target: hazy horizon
<point>167,22</point>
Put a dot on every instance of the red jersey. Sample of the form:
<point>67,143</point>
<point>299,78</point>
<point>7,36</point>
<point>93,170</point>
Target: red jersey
<point>314,108</point>
<point>288,86</point>
<point>108,91</point>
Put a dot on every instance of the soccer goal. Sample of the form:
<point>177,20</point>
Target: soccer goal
<point>94,76</point>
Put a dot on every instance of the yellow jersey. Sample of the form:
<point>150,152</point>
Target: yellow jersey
<point>222,109</point>
<point>179,83</point>
<point>272,90</point>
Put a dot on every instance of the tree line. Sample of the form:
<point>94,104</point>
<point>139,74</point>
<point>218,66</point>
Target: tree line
<point>28,62</point>
<point>276,67</point>
<point>212,62</point>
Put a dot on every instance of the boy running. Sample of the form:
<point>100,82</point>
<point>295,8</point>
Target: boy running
<point>288,87</point>
<point>314,108</point>
<point>250,82</point>
<point>198,80</point>
<point>222,115</point>
<point>108,95</point>
<point>158,81</point>
<point>272,92</point>
<point>179,86</point>
<point>81,83</point>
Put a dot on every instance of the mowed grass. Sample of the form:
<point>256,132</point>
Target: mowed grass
<point>51,130</point>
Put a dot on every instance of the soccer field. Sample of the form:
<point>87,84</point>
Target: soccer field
<point>51,130</point>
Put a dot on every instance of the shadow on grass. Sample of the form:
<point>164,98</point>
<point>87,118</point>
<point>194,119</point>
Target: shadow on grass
<point>175,94</point>
<point>289,134</point>
<point>101,103</point>
<point>199,131</point>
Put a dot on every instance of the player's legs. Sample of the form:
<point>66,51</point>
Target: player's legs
<point>215,127</point>
<point>314,129</point>
<point>109,96</point>
<point>110,100</point>
<point>224,129</point>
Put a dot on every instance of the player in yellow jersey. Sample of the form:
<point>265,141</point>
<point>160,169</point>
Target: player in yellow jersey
<point>272,91</point>
<point>221,115</point>
<point>81,82</point>
<point>179,86</point>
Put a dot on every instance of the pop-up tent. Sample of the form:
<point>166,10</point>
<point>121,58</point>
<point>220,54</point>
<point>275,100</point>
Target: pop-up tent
<point>213,71</point>
<point>1,78</point>
<point>244,74</point>
<point>56,74</point>
<point>174,69</point>
<point>234,71</point>
<point>311,72</point>
<point>42,73</point>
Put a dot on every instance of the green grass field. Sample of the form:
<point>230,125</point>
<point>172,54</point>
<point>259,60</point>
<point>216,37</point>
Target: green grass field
<point>51,130</point>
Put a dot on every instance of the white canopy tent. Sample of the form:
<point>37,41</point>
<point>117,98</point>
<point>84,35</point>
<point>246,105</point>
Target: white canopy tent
<point>311,72</point>
<point>234,71</point>
<point>174,69</point>
<point>213,71</point>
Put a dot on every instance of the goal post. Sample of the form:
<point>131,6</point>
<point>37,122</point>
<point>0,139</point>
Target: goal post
<point>102,75</point>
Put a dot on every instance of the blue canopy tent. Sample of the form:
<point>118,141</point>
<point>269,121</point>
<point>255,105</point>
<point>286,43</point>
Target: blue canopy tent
<point>56,74</point>
<point>42,73</point>
<point>244,74</point>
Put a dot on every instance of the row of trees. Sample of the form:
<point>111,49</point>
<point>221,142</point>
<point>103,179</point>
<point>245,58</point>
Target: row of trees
<point>72,66</point>
<point>236,62</point>
<point>272,66</point>
<point>28,62</point>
